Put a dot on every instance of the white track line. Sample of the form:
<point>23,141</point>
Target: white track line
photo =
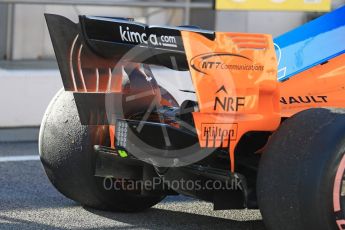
<point>20,158</point>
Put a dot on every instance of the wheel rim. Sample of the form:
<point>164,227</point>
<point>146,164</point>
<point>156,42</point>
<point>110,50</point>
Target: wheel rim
<point>339,195</point>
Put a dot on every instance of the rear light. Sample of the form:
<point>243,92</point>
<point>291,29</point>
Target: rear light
<point>121,133</point>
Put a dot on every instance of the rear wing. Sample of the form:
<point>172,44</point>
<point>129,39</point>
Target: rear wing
<point>100,42</point>
<point>92,55</point>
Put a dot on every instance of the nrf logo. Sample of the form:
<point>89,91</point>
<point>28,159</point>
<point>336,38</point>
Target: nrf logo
<point>136,37</point>
<point>225,103</point>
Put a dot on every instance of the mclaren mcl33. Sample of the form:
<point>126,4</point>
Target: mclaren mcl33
<point>266,127</point>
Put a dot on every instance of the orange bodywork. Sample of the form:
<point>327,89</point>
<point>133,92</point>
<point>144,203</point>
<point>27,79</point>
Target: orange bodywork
<point>235,77</point>
<point>320,86</point>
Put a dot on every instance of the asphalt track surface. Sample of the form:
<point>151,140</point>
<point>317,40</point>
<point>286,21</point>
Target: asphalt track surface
<point>29,201</point>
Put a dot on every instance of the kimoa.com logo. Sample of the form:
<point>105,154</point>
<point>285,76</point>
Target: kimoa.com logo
<point>136,37</point>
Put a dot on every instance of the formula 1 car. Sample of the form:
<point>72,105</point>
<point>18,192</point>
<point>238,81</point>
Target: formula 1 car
<point>268,119</point>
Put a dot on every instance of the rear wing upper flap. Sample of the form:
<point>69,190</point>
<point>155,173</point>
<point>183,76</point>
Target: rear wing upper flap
<point>114,38</point>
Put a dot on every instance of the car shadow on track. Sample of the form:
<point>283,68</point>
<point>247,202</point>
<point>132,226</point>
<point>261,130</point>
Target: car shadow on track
<point>18,223</point>
<point>155,218</point>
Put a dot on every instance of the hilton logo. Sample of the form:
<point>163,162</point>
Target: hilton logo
<point>219,131</point>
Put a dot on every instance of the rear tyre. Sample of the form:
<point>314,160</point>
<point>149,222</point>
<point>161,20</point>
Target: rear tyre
<point>67,155</point>
<point>297,187</point>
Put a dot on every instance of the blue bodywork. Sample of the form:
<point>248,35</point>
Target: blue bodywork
<point>311,44</point>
